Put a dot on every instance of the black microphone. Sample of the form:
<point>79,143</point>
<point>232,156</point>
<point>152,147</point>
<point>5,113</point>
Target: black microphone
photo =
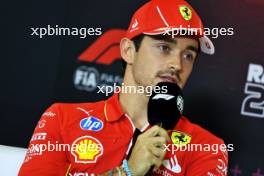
<point>165,107</point>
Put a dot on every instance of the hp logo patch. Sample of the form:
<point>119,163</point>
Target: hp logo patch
<point>91,123</point>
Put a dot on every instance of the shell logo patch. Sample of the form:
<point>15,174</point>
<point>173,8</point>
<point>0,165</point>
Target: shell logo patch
<point>180,139</point>
<point>186,12</point>
<point>87,149</point>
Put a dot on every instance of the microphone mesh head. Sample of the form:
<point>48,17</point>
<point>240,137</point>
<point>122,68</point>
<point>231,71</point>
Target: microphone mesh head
<point>166,107</point>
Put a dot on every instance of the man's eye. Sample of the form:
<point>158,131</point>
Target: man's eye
<point>165,49</point>
<point>188,56</point>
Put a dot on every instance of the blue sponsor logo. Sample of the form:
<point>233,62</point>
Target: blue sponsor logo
<point>91,123</point>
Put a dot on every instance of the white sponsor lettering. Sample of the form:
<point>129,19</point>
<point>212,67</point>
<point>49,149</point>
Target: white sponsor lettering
<point>41,123</point>
<point>162,172</point>
<point>135,24</point>
<point>172,164</point>
<point>38,136</point>
<point>221,167</point>
<point>163,96</point>
<point>33,150</point>
<point>80,174</point>
<point>49,114</point>
<point>210,174</point>
<point>83,110</point>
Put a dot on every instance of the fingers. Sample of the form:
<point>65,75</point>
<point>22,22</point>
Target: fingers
<point>156,162</point>
<point>158,152</point>
<point>149,150</point>
<point>157,131</point>
<point>158,141</point>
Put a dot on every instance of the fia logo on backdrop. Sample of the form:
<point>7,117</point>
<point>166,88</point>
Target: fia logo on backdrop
<point>104,51</point>
<point>253,103</point>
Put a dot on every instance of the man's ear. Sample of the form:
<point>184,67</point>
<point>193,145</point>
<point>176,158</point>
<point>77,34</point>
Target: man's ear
<point>127,50</point>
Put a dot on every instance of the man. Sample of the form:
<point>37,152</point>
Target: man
<point>101,132</point>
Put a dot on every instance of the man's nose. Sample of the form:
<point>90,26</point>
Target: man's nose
<point>175,63</point>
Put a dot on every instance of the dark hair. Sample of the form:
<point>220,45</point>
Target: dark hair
<point>137,42</point>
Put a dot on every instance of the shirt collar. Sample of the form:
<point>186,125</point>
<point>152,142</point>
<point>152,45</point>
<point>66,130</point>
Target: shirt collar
<point>112,108</point>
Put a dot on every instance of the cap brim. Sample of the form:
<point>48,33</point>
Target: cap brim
<point>206,45</point>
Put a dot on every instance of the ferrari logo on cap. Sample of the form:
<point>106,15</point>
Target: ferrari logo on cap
<point>185,12</point>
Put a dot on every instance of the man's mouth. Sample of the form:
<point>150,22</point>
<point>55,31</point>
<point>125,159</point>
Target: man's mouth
<point>170,79</point>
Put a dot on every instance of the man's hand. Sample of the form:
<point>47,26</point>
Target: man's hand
<point>148,150</point>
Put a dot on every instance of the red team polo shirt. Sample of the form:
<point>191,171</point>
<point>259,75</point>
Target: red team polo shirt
<point>84,139</point>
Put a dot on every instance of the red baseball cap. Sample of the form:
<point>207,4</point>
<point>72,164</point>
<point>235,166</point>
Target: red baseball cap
<point>168,17</point>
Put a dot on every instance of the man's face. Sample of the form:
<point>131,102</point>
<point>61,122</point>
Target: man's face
<point>164,60</point>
